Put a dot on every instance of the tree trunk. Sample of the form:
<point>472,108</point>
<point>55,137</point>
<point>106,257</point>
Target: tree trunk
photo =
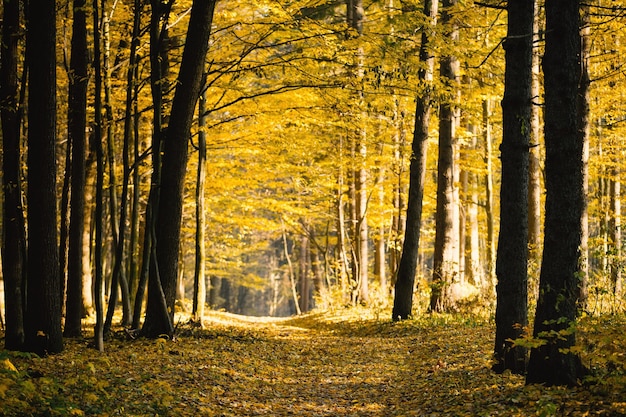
<point>43,314</point>
<point>446,256</point>
<point>355,15</point>
<point>175,161</point>
<point>512,256</point>
<point>199,277</point>
<point>131,131</point>
<point>99,209</point>
<point>534,164</point>
<point>77,123</point>
<point>553,363</point>
<point>615,237</point>
<point>14,236</point>
<point>584,131</point>
<point>159,67</point>
<point>303,274</point>
<point>398,222</point>
<point>489,210</point>
<point>118,277</point>
<point>405,280</point>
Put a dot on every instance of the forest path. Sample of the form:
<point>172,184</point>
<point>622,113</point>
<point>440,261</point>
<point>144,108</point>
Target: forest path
<point>341,364</point>
<point>316,366</point>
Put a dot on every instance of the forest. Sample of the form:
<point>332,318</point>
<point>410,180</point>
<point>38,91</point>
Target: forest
<point>422,162</point>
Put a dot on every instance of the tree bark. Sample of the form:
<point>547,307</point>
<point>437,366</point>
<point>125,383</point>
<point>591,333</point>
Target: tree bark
<point>584,129</point>
<point>43,312</point>
<point>14,236</point>
<point>175,161</point>
<point>512,256</point>
<point>534,162</point>
<point>199,276</point>
<point>99,205</point>
<point>553,363</point>
<point>446,256</point>
<point>405,280</point>
<point>77,123</point>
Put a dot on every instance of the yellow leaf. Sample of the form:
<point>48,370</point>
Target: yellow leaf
<point>7,365</point>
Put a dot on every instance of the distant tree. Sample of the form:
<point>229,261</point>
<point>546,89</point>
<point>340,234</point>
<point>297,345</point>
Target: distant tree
<point>14,236</point>
<point>405,281</point>
<point>355,14</point>
<point>446,255</point>
<point>43,309</point>
<point>553,363</point>
<point>77,123</point>
<point>175,151</point>
<point>512,256</point>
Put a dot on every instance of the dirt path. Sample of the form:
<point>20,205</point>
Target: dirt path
<point>312,366</point>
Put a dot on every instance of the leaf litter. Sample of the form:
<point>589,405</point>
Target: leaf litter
<point>321,364</point>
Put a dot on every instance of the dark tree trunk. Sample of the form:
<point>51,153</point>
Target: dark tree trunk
<point>99,209</point>
<point>159,66</point>
<point>199,276</point>
<point>175,162</point>
<point>43,309</point>
<point>405,281</point>
<point>553,363</point>
<point>14,236</point>
<point>77,120</point>
<point>512,256</point>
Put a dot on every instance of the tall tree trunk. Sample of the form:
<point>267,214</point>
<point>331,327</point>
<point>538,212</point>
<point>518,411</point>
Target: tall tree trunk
<point>159,67</point>
<point>584,128</point>
<point>615,237</point>
<point>199,276</point>
<point>14,236</point>
<point>489,207</point>
<point>303,274</point>
<point>398,222</point>
<point>534,163</point>
<point>175,161</point>
<point>118,277</point>
<point>77,123</point>
<point>131,131</point>
<point>99,209</point>
<point>405,280</point>
<point>472,260</point>
<point>342,244</point>
<point>553,363</point>
<point>512,257</point>
<point>446,256</point>
<point>355,16</point>
<point>43,313</point>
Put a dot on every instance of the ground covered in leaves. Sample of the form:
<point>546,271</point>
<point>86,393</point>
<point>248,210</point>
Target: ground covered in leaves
<point>315,365</point>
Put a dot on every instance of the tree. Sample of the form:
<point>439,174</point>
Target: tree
<point>175,161</point>
<point>405,281</point>
<point>355,14</point>
<point>77,123</point>
<point>553,363</point>
<point>43,310</point>
<point>199,276</point>
<point>98,283</point>
<point>14,236</point>
<point>446,257</point>
<point>512,256</point>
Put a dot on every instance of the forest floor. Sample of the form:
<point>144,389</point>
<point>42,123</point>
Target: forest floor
<point>320,364</point>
